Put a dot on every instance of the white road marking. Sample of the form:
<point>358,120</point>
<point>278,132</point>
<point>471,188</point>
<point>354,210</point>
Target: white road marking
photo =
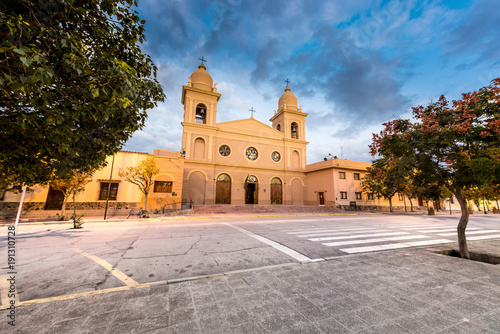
<point>467,233</point>
<point>369,241</point>
<point>117,273</point>
<point>448,230</point>
<point>358,236</point>
<point>288,251</point>
<point>395,246</point>
<point>337,233</point>
<point>484,237</point>
<point>327,229</point>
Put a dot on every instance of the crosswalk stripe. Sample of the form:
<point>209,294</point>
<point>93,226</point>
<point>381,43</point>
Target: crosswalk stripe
<point>374,240</point>
<point>395,246</point>
<point>358,236</point>
<point>428,227</point>
<point>329,229</point>
<point>448,230</point>
<point>467,233</point>
<point>483,237</point>
<point>336,233</point>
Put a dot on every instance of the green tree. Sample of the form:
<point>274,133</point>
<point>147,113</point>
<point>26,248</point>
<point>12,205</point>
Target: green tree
<point>142,176</point>
<point>457,146</point>
<point>71,186</point>
<point>382,180</point>
<point>74,85</point>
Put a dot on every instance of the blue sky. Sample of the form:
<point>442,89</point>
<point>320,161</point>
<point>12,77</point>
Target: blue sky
<point>353,65</point>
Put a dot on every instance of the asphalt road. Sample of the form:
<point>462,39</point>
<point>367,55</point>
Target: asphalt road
<point>101,257</point>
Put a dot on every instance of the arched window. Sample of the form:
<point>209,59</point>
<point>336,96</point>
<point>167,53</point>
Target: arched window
<point>295,131</point>
<point>201,114</point>
<point>278,127</point>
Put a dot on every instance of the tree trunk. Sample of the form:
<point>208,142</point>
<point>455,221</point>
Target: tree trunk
<point>145,201</point>
<point>74,209</point>
<point>411,204</point>
<point>63,209</point>
<point>390,204</point>
<point>404,200</point>
<point>462,225</point>
<point>485,206</point>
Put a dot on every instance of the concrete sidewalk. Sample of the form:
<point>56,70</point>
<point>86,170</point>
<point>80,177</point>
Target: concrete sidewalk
<point>400,291</point>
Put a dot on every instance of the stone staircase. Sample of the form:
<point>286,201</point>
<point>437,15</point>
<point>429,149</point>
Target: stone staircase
<point>257,209</point>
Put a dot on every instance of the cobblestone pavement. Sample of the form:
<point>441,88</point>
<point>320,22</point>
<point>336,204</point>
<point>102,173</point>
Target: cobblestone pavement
<point>396,291</point>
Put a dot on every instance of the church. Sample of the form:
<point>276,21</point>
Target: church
<point>239,162</point>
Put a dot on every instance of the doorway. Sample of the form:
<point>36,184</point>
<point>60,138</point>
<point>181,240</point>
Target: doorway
<point>55,199</point>
<point>321,196</point>
<point>251,187</point>
<point>223,189</point>
<point>276,191</point>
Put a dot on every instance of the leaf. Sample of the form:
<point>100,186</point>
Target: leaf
<point>20,51</point>
<point>95,92</point>
<point>26,61</point>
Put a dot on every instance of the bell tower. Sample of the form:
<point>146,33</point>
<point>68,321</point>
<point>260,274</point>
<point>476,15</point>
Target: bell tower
<point>200,100</point>
<point>289,119</point>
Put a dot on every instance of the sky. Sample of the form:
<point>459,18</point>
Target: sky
<point>353,65</point>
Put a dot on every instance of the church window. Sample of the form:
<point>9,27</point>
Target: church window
<point>358,195</point>
<point>343,195</point>
<point>224,150</point>
<point>341,175</point>
<point>278,127</point>
<point>201,114</point>
<point>276,156</point>
<point>251,153</point>
<point>356,176</point>
<point>163,187</point>
<point>295,131</point>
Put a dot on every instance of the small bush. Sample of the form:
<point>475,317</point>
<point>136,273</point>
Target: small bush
<point>78,222</point>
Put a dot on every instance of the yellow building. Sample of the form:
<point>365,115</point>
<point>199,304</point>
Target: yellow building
<point>237,162</point>
<point>242,161</point>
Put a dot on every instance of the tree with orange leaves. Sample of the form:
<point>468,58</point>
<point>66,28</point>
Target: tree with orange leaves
<point>456,145</point>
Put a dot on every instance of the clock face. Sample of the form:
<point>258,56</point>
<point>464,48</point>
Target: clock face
<point>251,153</point>
<point>224,150</point>
<point>276,156</point>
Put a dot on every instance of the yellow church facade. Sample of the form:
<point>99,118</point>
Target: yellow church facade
<point>240,162</point>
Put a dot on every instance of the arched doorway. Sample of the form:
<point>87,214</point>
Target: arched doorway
<point>196,188</point>
<point>276,191</point>
<point>251,190</point>
<point>223,189</point>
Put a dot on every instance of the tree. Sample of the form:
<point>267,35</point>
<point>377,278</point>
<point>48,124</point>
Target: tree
<point>141,176</point>
<point>74,85</point>
<point>457,146</point>
<point>380,182</point>
<point>71,186</point>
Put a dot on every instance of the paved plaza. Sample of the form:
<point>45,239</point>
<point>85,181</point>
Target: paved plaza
<point>259,285</point>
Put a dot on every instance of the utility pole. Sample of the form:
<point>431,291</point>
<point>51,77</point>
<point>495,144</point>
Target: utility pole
<point>109,187</point>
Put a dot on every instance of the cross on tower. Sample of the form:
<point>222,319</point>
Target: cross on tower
<point>251,110</point>
<point>287,82</point>
<point>202,59</point>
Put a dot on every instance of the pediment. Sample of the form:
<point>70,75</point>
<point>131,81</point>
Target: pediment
<point>250,126</point>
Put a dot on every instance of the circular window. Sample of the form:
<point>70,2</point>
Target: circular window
<point>224,150</point>
<point>251,153</point>
<point>276,156</point>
